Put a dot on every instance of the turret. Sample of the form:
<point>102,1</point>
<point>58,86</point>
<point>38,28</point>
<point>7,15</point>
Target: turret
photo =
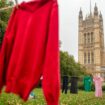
<point>95,10</point>
<point>80,15</point>
<point>100,17</point>
<point>101,20</point>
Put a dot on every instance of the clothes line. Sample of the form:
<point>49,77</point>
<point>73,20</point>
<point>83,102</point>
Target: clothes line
<point>5,8</point>
<point>9,7</point>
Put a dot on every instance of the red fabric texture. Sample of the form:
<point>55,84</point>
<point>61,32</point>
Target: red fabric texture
<point>30,49</point>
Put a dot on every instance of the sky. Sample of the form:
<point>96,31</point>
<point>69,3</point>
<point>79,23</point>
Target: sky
<point>68,21</point>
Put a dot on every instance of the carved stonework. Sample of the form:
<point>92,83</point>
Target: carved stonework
<point>91,52</point>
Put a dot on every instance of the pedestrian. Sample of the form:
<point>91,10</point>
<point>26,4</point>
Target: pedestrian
<point>65,84</point>
<point>87,81</point>
<point>98,85</point>
<point>74,85</point>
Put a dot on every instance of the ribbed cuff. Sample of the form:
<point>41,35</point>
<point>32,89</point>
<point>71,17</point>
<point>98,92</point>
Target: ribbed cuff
<point>52,103</point>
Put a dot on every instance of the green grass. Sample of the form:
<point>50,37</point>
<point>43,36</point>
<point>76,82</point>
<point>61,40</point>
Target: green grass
<point>82,98</point>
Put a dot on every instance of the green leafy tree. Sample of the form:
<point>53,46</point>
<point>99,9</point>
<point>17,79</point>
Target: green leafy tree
<point>69,66</point>
<point>4,16</point>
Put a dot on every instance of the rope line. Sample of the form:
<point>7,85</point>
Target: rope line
<point>5,8</point>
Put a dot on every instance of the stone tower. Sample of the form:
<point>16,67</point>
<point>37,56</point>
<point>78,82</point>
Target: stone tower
<point>91,40</point>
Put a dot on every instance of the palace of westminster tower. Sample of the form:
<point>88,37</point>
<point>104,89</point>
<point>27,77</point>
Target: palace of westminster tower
<point>91,53</point>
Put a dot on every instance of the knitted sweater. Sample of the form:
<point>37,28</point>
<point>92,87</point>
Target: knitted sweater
<point>30,49</point>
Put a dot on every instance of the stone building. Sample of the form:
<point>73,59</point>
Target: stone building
<point>91,51</point>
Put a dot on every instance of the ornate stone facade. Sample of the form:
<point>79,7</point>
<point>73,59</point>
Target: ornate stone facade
<point>91,52</point>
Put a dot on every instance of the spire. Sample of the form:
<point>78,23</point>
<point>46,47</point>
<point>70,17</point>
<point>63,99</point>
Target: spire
<point>95,10</point>
<point>95,5</point>
<point>80,11</point>
<point>100,16</point>
<point>80,14</point>
<point>90,8</point>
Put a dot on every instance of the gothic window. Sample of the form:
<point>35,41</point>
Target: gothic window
<point>88,38</point>
<point>85,38</point>
<point>91,37</point>
<point>88,58</point>
<point>92,57</point>
<point>84,58</point>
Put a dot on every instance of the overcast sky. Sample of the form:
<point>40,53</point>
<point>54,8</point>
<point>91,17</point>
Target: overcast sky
<point>68,19</point>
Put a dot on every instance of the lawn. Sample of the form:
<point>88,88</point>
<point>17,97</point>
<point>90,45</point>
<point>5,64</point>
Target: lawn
<point>82,98</point>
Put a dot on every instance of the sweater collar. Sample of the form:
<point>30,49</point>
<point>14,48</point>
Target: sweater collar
<point>33,5</point>
<point>30,6</point>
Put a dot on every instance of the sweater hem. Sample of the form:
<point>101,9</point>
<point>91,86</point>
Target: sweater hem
<point>20,90</point>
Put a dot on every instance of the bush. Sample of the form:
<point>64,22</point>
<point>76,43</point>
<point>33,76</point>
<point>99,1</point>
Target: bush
<point>81,86</point>
<point>103,87</point>
<point>93,87</point>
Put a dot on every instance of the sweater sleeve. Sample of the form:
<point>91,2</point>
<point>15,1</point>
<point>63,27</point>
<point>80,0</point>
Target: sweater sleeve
<point>6,48</point>
<point>51,72</point>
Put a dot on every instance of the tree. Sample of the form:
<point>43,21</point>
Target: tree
<point>4,16</point>
<point>68,65</point>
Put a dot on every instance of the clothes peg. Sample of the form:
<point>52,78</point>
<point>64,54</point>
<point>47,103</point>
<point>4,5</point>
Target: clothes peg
<point>16,1</point>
